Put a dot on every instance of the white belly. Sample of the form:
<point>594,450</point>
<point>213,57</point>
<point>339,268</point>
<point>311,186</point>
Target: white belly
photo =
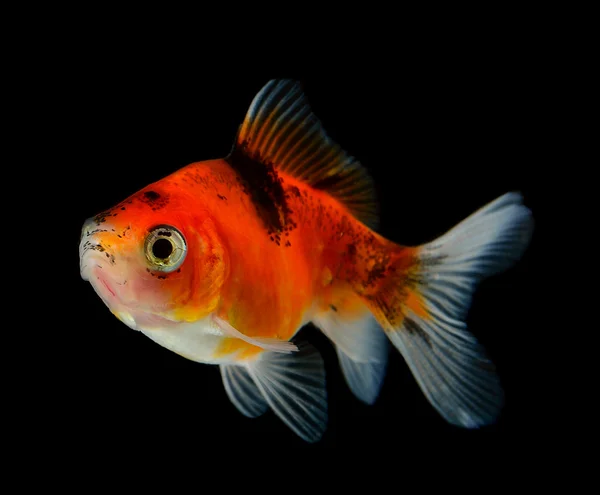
<point>196,341</point>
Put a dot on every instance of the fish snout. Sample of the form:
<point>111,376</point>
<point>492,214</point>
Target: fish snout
<point>88,227</point>
<point>94,250</point>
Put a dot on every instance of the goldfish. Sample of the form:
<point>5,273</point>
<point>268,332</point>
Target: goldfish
<point>225,260</point>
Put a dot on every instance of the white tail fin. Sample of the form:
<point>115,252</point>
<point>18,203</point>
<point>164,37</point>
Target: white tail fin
<point>448,363</point>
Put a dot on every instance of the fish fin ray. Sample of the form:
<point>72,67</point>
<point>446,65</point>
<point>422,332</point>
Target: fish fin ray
<point>281,130</point>
<point>294,386</point>
<point>424,310</point>
<point>242,391</point>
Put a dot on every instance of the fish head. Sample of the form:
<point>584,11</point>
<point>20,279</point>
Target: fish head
<point>154,260</point>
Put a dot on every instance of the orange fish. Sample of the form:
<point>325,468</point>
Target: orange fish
<point>224,261</point>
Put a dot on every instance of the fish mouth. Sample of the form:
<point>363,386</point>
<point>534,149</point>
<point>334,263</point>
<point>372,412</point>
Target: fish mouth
<point>96,265</point>
<point>95,270</point>
<point>112,294</point>
<point>93,253</point>
<point>103,283</point>
<point>107,287</point>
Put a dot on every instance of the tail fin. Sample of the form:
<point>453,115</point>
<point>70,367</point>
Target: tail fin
<point>424,312</point>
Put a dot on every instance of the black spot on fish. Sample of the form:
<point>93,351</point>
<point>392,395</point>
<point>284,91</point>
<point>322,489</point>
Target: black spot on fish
<point>333,307</point>
<point>220,196</point>
<point>151,195</point>
<point>430,260</point>
<point>294,191</point>
<point>100,218</point>
<point>378,271</point>
<point>155,200</point>
<point>162,277</point>
<point>415,329</point>
<point>262,183</point>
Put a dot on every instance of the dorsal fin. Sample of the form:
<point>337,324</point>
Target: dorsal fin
<point>281,133</point>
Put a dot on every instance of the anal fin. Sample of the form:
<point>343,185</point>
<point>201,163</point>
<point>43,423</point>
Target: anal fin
<point>363,379</point>
<point>294,386</point>
<point>361,345</point>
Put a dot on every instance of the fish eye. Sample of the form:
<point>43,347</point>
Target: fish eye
<point>165,248</point>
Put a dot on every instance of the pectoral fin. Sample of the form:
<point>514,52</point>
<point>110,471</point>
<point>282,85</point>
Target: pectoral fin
<point>268,344</point>
<point>242,391</point>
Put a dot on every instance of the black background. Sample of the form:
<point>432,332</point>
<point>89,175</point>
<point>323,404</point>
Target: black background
<point>444,126</point>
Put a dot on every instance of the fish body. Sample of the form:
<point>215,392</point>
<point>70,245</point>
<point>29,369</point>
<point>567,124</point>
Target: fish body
<point>224,261</point>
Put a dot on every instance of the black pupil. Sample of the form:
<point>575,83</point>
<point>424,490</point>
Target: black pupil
<point>162,248</point>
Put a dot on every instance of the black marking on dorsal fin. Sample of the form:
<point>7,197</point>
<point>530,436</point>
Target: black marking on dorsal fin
<point>281,133</point>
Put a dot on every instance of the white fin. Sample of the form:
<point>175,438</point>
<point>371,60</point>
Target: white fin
<point>363,379</point>
<point>448,363</point>
<point>362,349</point>
<point>242,390</point>
<point>294,387</point>
<point>269,344</point>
